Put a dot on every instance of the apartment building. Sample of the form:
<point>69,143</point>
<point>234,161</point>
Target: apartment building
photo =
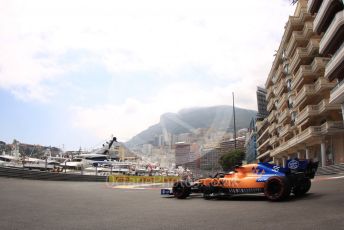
<point>305,120</point>
<point>251,143</point>
<point>188,156</point>
<point>261,103</point>
<point>209,160</point>
<point>329,21</point>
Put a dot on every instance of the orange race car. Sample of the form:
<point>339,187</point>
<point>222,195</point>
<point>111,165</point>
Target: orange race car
<point>274,181</point>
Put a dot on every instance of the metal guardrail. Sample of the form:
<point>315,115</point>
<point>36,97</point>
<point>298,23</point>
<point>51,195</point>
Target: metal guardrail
<point>43,175</point>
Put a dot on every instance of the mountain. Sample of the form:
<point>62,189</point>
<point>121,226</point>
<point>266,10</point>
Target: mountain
<point>187,120</point>
<point>36,151</point>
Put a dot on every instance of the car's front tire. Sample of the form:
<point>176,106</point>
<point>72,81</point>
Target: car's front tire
<point>277,188</point>
<point>181,189</point>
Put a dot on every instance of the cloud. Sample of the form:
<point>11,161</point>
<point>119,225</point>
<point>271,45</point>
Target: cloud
<point>230,39</point>
<point>227,45</point>
<point>133,116</point>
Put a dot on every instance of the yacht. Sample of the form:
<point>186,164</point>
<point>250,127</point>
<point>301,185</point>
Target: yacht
<point>13,159</point>
<point>35,163</point>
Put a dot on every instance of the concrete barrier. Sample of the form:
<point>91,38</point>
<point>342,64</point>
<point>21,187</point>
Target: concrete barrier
<point>44,175</point>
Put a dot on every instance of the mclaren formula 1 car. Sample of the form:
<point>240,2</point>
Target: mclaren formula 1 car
<point>274,181</point>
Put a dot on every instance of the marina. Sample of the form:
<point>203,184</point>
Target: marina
<point>96,163</point>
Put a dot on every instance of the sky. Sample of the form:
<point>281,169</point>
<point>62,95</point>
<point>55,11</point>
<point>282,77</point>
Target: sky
<point>73,73</point>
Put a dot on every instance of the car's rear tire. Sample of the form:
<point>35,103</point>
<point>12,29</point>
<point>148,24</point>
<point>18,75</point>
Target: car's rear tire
<point>277,188</point>
<point>181,189</point>
<point>302,187</point>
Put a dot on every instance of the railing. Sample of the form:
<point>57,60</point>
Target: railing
<point>283,116</point>
<point>285,130</point>
<point>269,93</point>
<point>312,110</point>
<point>323,83</point>
<point>277,74</point>
<point>332,126</point>
<point>273,140</point>
<point>299,35</point>
<point>270,104</point>
<point>271,116</point>
<point>272,127</point>
<point>311,7</point>
<point>337,86</point>
<point>293,21</point>
<point>300,138</point>
<point>280,87</point>
<point>319,63</point>
<point>263,144</point>
<point>320,15</point>
<point>334,61</point>
<point>337,93</point>
<point>307,89</point>
<point>304,70</point>
<point>307,51</point>
<point>263,154</point>
<point>262,135</point>
<point>330,32</point>
<point>282,100</point>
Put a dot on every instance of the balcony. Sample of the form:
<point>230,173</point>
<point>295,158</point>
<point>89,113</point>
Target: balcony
<point>272,127</point>
<point>282,100</point>
<point>325,15</point>
<point>335,68</point>
<point>283,116</point>
<point>299,38</point>
<point>310,71</point>
<point>308,111</point>
<point>337,94</point>
<point>285,130</point>
<point>313,6</point>
<point>303,72</point>
<point>322,84</point>
<point>312,89</point>
<point>272,116</point>
<point>304,92</point>
<point>295,23</point>
<point>319,64</point>
<point>260,137</point>
<point>302,54</point>
<point>332,127</point>
<point>273,140</point>
<point>279,72</point>
<point>281,88</point>
<point>261,126</point>
<point>260,146</point>
<point>333,38</point>
<point>270,105</point>
<point>264,154</point>
<point>300,139</point>
<point>269,93</point>
<point>316,110</point>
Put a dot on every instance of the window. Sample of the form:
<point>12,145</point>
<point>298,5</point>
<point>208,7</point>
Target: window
<point>289,85</point>
<point>284,55</point>
<point>286,69</point>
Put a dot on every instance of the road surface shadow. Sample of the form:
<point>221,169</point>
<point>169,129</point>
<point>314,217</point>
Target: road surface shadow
<point>253,197</point>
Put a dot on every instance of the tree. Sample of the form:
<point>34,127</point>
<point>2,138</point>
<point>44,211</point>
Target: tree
<point>231,159</point>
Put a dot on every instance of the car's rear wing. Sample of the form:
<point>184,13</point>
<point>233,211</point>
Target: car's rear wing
<point>307,167</point>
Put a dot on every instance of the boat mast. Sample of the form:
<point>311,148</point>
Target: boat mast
<point>234,122</point>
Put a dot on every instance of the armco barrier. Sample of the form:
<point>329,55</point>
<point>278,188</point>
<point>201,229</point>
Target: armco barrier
<point>44,175</point>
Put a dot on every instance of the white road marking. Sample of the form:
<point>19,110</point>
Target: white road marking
<point>336,177</point>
